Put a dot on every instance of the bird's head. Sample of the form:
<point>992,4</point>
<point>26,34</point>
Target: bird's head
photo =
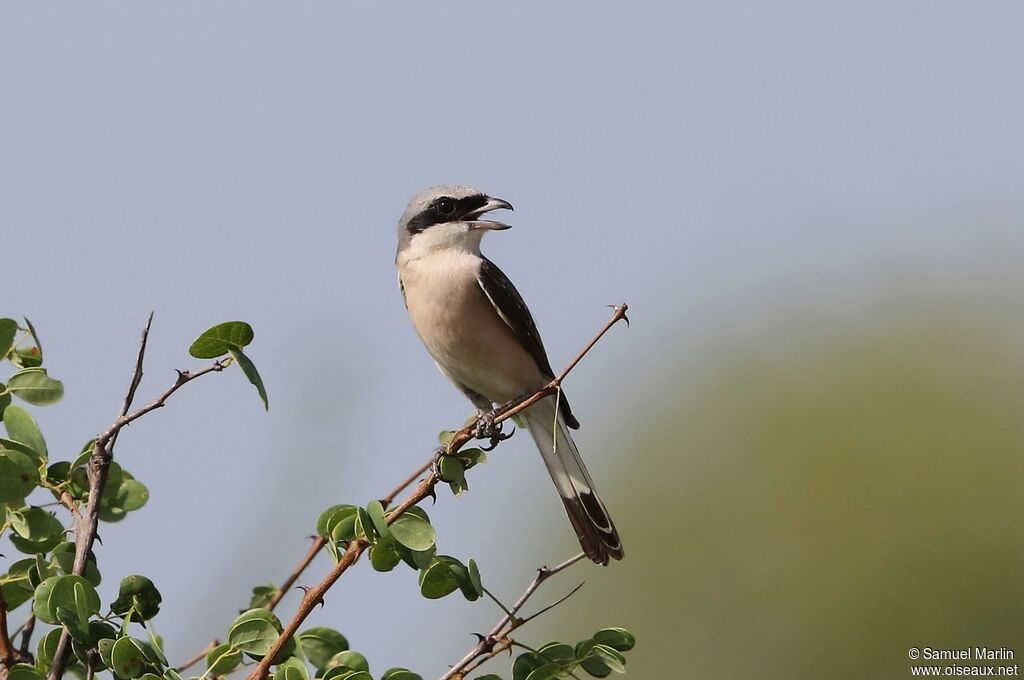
<point>448,216</point>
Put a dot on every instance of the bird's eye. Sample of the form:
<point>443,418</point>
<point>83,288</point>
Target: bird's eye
<point>446,206</point>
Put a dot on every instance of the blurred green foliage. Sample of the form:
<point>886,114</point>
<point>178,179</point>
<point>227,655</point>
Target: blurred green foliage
<point>814,498</point>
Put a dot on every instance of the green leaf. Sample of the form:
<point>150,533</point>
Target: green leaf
<point>349,659</point>
<point>262,595</point>
<point>292,668</point>
<point>223,659</point>
<point>558,652</point>
<point>28,357</point>
<point>36,530</point>
<point>100,631</point>
<point>400,674</point>
<point>525,664</point>
<point>8,329</point>
<point>413,532</point>
<point>364,525</point>
<point>70,592</point>
<point>383,555</point>
<point>105,647</point>
<point>69,619</point>
<point>618,639</point>
<point>591,662</point>
<point>546,672</point>
<point>64,557</point>
<point>337,523</point>
<point>137,595</point>
<point>156,645</point>
<point>255,632</point>
<point>346,673</point>
<point>21,427</point>
<point>5,399</point>
<point>121,497</point>
<point>437,580</point>
<point>35,338</point>
<point>84,454</point>
<point>128,658</point>
<point>451,470</point>
<point>251,373</point>
<point>18,476</point>
<point>12,445</point>
<point>461,574</point>
<point>611,658</point>
<point>376,512</point>
<point>219,340</point>
<point>36,387</point>
<point>474,577</point>
<point>320,644</point>
<point>338,673</point>
<point>23,671</point>
<point>16,584</point>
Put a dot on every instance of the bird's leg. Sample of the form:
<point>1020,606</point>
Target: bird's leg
<point>486,428</point>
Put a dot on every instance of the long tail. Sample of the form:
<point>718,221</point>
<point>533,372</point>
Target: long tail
<point>587,513</point>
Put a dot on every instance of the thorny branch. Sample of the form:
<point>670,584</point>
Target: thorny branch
<point>498,640</point>
<point>87,523</point>
<point>315,595</point>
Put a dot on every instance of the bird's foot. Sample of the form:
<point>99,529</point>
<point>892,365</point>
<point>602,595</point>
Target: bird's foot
<point>435,466</point>
<point>487,429</point>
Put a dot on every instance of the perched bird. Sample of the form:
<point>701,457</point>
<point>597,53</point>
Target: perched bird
<point>482,336</point>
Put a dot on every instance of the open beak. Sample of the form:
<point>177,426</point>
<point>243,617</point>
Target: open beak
<point>491,204</point>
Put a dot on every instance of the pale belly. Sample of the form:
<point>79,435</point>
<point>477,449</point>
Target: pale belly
<point>458,325</point>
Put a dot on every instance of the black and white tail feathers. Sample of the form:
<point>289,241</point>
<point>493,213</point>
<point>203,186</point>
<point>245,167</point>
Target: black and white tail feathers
<point>589,518</point>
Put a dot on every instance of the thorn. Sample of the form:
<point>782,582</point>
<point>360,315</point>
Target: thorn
<point>479,637</point>
<point>432,492</point>
<point>98,538</point>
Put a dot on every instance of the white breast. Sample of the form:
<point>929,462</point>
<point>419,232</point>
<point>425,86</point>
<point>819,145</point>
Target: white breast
<point>461,329</point>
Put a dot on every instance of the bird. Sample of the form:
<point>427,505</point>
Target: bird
<point>480,333</point>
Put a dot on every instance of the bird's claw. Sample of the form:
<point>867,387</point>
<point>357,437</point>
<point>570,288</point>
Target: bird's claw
<point>486,428</point>
<point>435,466</point>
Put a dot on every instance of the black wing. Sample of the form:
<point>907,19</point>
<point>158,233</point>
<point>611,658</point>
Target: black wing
<point>513,311</point>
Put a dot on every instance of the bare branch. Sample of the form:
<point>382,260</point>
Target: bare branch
<point>198,657</point>
<point>98,467</point>
<point>315,595</point>
<point>318,544</point>
<point>26,636</point>
<point>498,639</point>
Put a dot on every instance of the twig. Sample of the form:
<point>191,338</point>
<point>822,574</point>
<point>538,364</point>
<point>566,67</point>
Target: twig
<point>315,595</point>
<point>422,470</point>
<point>99,465</point>
<point>26,636</point>
<point>198,657</point>
<point>498,639</point>
<point>68,502</point>
<point>318,544</point>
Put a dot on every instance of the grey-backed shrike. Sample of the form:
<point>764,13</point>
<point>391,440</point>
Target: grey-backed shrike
<point>481,334</point>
